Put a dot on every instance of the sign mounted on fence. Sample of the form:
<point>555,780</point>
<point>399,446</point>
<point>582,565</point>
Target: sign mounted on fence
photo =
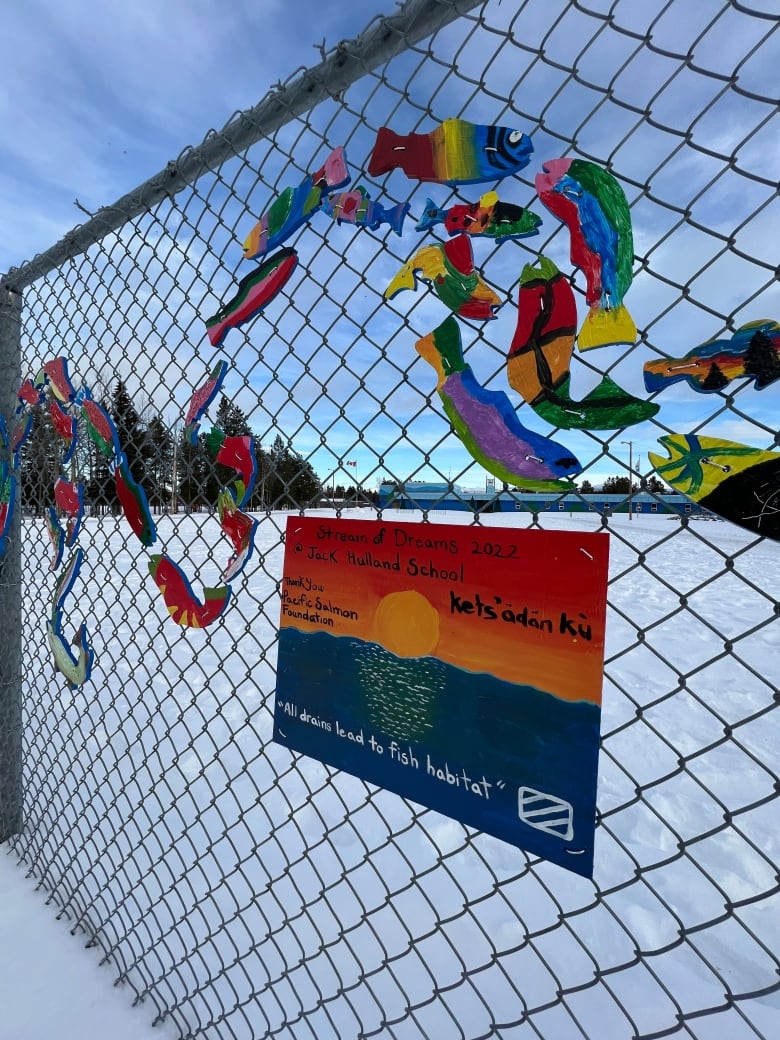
<point>457,666</point>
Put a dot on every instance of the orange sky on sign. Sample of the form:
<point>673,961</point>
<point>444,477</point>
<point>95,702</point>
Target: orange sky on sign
<point>551,573</point>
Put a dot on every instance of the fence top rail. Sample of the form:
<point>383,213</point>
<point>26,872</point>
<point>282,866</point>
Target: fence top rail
<point>348,61</point>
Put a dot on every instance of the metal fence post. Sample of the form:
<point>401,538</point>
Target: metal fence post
<point>10,592</point>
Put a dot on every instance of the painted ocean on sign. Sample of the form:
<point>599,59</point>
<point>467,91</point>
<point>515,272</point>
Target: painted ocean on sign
<point>472,746</point>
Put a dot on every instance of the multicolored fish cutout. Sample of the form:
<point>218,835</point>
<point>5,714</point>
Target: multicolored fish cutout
<point>55,375</point>
<point>456,152</point>
<point>591,203</point>
<point>239,528</point>
<point>487,423</point>
<point>7,503</point>
<point>69,499</point>
<point>488,218</point>
<point>134,502</point>
<point>736,481</point>
<point>539,359</point>
<point>201,399</point>
<point>239,454</point>
<point>255,292</point>
<point>183,605</point>
<point>448,267</point>
<point>56,535</point>
<point>295,206</point>
<point>753,351</point>
<point>66,426</point>
<point>357,207</point>
<point>76,668</point>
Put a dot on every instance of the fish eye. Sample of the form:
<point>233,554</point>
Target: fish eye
<point>516,136</point>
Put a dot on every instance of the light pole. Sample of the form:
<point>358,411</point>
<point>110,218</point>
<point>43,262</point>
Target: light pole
<point>630,478</point>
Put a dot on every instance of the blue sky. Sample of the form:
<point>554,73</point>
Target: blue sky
<point>96,98</point>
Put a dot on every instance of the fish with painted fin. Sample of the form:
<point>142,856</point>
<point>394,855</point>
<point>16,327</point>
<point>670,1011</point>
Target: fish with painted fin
<point>593,206</point>
<point>180,601</point>
<point>294,206</point>
<point>489,218</point>
<point>736,481</point>
<point>487,424</point>
<point>753,351</point>
<point>539,359</point>
<point>456,152</point>
<point>357,207</point>
<point>448,267</point>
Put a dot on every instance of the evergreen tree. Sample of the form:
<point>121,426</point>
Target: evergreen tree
<point>40,463</point>
<point>159,464</point>
<point>131,432</point>
<point>618,486</point>
<point>714,380</point>
<point>586,488</point>
<point>762,360</point>
<point>193,470</point>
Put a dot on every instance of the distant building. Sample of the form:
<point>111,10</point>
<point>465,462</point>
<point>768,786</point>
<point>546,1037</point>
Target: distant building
<point>431,497</point>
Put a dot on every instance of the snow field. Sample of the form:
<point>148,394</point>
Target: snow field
<point>247,891</point>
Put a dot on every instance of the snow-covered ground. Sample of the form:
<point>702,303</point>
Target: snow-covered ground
<point>259,889</point>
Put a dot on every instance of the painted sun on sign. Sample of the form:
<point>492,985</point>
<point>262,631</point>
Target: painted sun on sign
<point>459,667</point>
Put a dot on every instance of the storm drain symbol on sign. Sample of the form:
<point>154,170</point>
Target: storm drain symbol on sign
<point>546,813</point>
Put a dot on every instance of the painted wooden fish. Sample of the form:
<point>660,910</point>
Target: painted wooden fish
<point>134,502</point>
<point>255,292</point>
<point>753,351</point>
<point>539,359</point>
<point>56,535</point>
<point>736,481</point>
<point>181,602</point>
<point>487,423</point>
<point>489,218</point>
<point>69,499</point>
<point>100,425</point>
<point>201,399</point>
<point>238,453</point>
<point>7,502</point>
<point>448,267</point>
<point>76,668</point>
<point>66,426</point>
<point>239,528</point>
<point>295,206</point>
<point>357,207</point>
<point>456,152</point>
<point>591,203</point>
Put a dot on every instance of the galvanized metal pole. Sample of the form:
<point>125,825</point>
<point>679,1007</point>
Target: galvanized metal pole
<point>10,591</point>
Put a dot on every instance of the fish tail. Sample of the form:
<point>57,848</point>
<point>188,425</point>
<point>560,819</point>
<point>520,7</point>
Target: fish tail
<point>383,158</point>
<point>335,173</point>
<point>396,216</point>
<point>602,328</point>
<point>432,216</point>
<point>254,242</point>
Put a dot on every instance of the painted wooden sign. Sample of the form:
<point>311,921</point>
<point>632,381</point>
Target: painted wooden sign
<point>457,666</point>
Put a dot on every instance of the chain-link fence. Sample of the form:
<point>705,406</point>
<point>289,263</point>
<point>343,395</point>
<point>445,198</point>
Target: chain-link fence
<point>243,891</point>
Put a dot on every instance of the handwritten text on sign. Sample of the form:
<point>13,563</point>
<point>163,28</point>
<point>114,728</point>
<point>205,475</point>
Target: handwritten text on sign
<point>458,666</point>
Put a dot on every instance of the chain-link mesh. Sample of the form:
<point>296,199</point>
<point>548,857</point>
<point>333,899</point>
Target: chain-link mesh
<point>245,891</point>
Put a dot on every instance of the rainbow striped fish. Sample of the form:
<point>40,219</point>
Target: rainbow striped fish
<point>456,152</point>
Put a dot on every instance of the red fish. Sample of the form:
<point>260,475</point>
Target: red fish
<point>183,605</point>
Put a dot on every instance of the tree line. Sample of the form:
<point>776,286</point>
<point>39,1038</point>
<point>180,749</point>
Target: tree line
<point>174,473</point>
